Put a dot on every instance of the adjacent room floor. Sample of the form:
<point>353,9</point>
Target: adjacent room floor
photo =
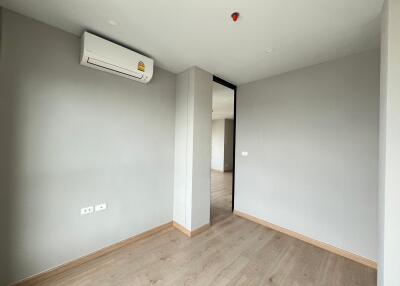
<point>233,251</point>
<point>221,195</point>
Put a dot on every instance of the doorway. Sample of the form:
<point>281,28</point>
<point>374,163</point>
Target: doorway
<point>222,149</point>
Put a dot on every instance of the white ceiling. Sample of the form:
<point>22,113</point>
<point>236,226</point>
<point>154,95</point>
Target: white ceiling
<point>182,33</point>
<point>222,102</point>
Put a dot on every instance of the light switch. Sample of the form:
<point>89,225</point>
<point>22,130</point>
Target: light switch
<point>244,153</point>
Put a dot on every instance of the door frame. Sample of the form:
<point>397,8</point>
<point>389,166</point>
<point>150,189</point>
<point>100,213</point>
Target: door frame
<point>234,87</point>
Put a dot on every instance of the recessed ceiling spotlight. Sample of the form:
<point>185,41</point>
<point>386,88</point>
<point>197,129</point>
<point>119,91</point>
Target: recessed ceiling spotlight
<point>268,51</point>
<point>113,22</point>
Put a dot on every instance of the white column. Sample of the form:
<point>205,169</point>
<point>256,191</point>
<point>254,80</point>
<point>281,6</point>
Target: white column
<point>389,197</point>
<point>193,148</point>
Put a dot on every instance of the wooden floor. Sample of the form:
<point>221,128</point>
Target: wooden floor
<point>233,251</point>
<point>221,195</point>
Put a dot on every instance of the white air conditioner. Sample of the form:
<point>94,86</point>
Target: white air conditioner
<point>104,55</point>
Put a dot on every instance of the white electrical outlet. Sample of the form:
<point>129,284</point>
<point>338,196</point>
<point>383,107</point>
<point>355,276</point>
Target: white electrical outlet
<point>245,153</point>
<point>87,210</point>
<point>100,207</point>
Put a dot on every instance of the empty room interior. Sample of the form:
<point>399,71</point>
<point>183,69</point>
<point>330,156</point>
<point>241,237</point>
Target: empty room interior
<point>200,143</point>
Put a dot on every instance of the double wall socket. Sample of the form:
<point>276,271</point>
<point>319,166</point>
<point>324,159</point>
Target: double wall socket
<point>100,207</point>
<point>91,209</point>
<point>87,210</point>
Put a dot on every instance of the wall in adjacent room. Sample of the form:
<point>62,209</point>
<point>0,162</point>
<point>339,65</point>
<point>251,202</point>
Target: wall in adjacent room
<point>222,145</point>
<point>228,144</point>
<point>74,137</point>
<point>218,145</point>
<point>312,142</point>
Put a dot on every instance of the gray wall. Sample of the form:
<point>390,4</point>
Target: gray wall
<point>312,142</point>
<point>72,137</point>
<point>389,187</point>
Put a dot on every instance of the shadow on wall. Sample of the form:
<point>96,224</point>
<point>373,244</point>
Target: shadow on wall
<point>8,143</point>
<point>8,154</point>
<point>8,217</point>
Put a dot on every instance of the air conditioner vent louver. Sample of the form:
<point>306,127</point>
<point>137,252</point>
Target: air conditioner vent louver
<point>113,68</point>
<point>102,54</point>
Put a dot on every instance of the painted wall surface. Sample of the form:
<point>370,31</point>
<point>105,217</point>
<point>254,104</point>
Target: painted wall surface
<point>72,137</point>
<point>312,142</point>
<point>389,192</point>
<point>218,145</point>
<point>193,148</point>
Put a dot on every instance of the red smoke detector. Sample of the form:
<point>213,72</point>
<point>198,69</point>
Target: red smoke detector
<point>235,16</point>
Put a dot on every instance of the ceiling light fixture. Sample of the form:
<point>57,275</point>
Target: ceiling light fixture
<point>268,51</point>
<point>113,22</point>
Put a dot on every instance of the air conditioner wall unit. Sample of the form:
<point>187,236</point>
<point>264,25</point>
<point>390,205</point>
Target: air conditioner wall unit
<point>99,53</point>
